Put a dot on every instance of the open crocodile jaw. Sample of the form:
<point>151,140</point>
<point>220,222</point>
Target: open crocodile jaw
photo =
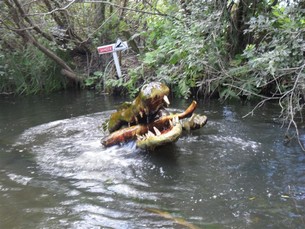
<point>155,137</point>
<point>167,125</point>
<point>170,132</point>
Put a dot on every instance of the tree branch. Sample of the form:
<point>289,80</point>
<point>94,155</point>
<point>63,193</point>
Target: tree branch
<point>27,19</point>
<point>105,2</point>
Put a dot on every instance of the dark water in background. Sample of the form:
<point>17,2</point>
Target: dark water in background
<point>233,173</point>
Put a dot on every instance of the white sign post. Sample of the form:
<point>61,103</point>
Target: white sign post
<point>114,48</point>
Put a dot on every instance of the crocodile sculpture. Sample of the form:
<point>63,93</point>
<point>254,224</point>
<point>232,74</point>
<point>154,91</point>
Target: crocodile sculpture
<point>146,121</point>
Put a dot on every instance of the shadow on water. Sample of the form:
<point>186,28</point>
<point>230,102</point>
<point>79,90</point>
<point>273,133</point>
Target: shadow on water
<point>233,173</point>
<point>165,155</point>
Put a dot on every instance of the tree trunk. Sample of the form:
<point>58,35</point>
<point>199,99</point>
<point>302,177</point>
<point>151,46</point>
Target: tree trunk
<point>28,20</point>
<point>238,15</point>
<point>21,20</point>
<point>66,71</point>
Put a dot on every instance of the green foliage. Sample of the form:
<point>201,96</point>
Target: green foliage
<point>280,51</point>
<point>129,84</point>
<point>231,49</point>
<point>278,61</point>
<point>96,80</point>
<point>270,65</point>
<point>28,71</point>
<point>183,52</point>
<point>190,49</point>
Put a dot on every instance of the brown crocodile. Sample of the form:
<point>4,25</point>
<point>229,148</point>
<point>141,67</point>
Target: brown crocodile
<point>146,121</point>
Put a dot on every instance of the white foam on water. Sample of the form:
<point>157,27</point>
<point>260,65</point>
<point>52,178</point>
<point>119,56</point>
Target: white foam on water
<point>242,143</point>
<point>71,148</point>
<point>23,180</point>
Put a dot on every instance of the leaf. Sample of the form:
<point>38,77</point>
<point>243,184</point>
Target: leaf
<point>98,73</point>
<point>150,58</point>
<point>89,82</point>
<point>227,93</point>
<point>174,58</point>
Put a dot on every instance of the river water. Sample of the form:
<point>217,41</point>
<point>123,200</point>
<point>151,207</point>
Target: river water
<point>233,173</point>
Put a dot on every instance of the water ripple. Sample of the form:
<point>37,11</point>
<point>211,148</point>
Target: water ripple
<point>219,175</point>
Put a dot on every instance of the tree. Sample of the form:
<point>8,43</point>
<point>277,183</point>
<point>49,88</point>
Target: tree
<point>24,26</point>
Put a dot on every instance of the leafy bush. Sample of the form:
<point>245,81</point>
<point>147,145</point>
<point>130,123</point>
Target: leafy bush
<point>272,68</point>
<point>276,62</point>
<point>185,51</point>
<point>29,72</point>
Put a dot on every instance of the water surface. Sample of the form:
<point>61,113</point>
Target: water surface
<point>234,173</point>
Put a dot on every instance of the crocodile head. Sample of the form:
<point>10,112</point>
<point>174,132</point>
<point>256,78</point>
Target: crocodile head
<point>152,97</point>
<point>145,121</point>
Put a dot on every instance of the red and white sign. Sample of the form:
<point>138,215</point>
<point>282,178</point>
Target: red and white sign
<point>105,49</point>
<point>114,48</point>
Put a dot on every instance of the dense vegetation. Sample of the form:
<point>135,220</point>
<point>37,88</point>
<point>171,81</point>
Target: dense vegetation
<point>223,48</point>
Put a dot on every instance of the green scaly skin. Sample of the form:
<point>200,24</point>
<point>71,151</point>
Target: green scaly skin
<point>146,110</point>
<point>146,105</point>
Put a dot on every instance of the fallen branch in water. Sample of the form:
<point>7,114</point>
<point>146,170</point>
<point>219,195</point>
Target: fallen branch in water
<point>169,216</point>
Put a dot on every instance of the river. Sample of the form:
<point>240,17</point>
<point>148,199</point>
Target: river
<point>234,173</point>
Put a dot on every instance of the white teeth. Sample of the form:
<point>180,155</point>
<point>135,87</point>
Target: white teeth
<point>157,131</point>
<point>170,123</point>
<point>139,137</point>
<point>192,117</point>
<point>176,119</point>
<point>166,100</point>
<point>150,134</point>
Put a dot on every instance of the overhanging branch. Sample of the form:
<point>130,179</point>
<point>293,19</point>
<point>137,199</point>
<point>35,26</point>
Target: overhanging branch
<point>104,2</point>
